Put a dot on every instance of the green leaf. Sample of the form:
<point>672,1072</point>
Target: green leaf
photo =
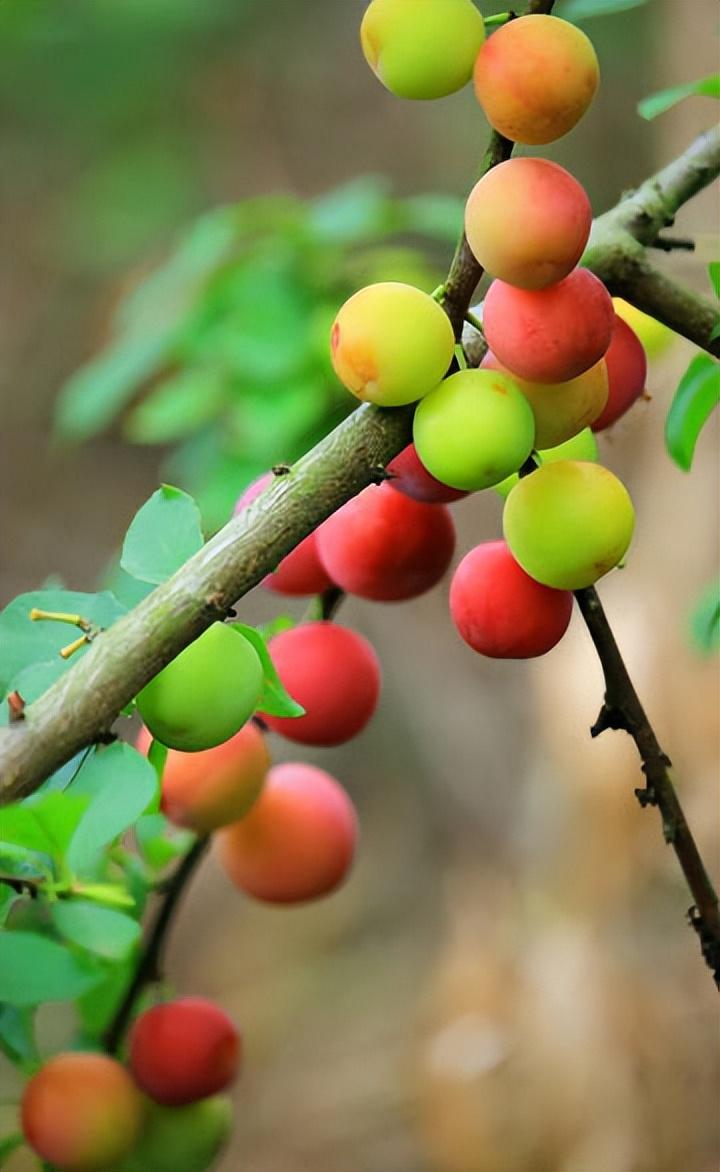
<point>9,1145</point>
<point>90,400</point>
<point>706,87</point>
<point>163,534</point>
<point>128,590</point>
<point>58,814</point>
<point>97,1007</point>
<point>696,396</point>
<point>274,700</point>
<point>580,10</point>
<point>177,407</point>
<point>283,622</point>
<point>121,785</point>
<point>34,969</point>
<point>705,620</point>
<point>17,1035</point>
<point>714,274</point>
<point>159,842</point>
<point>101,930</point>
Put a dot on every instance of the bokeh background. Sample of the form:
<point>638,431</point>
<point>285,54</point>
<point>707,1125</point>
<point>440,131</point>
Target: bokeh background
<point>506,984</point>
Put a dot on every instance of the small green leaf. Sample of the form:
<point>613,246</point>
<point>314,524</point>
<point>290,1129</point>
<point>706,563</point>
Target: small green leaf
<point>274,700</point>
<point>706,87</point>
<point>96,1007</point>
<point>714,274</point>
<point>580,10</point>
<point>283,622</point>
<point>9,1145</point>
<point>705,620</point>
<point>177,407</point>
<point>696,396</point>
<point>101,930</point>
<point>160,842</point>
<point>34,969</point>
<point>121,785</point>
<point>163,534</point>
<point>17,1035</point>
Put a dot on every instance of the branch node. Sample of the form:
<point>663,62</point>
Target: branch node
<point>281,469</point>
<point>646,796</point>
<point>610,716</point>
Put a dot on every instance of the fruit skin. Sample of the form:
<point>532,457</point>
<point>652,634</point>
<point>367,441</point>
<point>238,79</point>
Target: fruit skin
<point>411,477</point>
<point>183,1051</point>
<point>81,1112</point>
<point>627,372</point>
<point>206,694</point>
<point>203,791</point>
<point>582,446</point>
<point>501,611</point>
<point>561,410</point>
<point>334,674</point>
<point>181,1139</point>
<point>474,429</point>
<point>554,212</point>
<point>391,344</point>
<point>535,78</point>
<point>568,523</point>
<point>422,48</point>
<point>549,335</point>
<point>300,572</point>
<point>384,546</point>
<point>298,841</point>
<point>653,335</point>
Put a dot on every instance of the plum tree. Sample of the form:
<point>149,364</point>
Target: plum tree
<point>81,1112</point>
<point>582,446</point>
<point>391,344</point>
<point>298,841</point>
<point>180,1139</point>
<point>570,324</point>
<point>568,523</point>
<point>553,209</point>
<point>410,476</point>
<point>334,674</point>
<point>422,48</point>
<point>385,546</point>
<point>627,371</point>
<point>501,611</point>
<point>300,572</point>
<point>561,410</point>
<point>206,694</point>
<point>535,78</point>
<point>474,429</point>
<point>183,1051</point>
<point>205,790</point>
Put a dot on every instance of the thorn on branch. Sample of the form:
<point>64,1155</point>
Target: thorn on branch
<point>16,707</point>
<point>673,244</point>
<point>709,945</point>
<point>610,717</point>
<point>646,796</point>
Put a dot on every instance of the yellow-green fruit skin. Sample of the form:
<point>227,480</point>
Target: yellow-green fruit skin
<point>474,429</point>
<point>569,523</point>
<point>181,1139</point>
<point>422,48</point>
<point>391,344</point>
<point>206,694</point>
<point>582,446</point>
<point>561,410</point>
<point>654,336</point>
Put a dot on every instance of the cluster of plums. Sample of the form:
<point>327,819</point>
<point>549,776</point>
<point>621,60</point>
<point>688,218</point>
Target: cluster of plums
<point>87,1112</point>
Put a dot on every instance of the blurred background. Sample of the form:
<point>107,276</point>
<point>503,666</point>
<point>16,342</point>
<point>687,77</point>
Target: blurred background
<point>507,983</point>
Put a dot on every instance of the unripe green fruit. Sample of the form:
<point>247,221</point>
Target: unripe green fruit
<point>568,523</point>
<point>582,446</point>
<point>181,1139</point>
<point>206,694</point>
<point>391,344</point>
<point>422,48</point>
<point>474,429</point>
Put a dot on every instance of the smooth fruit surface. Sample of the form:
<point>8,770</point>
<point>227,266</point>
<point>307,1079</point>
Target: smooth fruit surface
<point>206,694</point>
<point>181,1139</point>
<point>582,446</point>
<point>549,335</point>
<point>183,1051</point>
<point>535,78</point>
<point>334,674</point>
<point>300,572</point>
<point>474,429</point>
<point>627,372</point>
<point>298,841</point>
<point>203,791</point>
<point>552,208</point>
<point>410,476</point>
<point>81,1112</point>
<point>561,410</point>
<point>385,546</point>
<point>654,336</point>
<point>391,344</point>
<point>501,611</point>
<point>568,523</point>
<point>422,48</point>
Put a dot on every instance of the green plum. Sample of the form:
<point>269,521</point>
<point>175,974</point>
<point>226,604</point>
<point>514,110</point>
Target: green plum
<point>568,523</point>
<point>206,694</point>
<point>181,1139</point>
<point>422,49</point>
<point>582,446</point>
<point>474,429</point>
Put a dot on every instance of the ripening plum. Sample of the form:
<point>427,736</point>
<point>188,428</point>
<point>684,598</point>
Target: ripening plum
<point>183,1051</point>
<point>627,371</point>
<point>300,572</point>
<point>549,335</point>
<point>422,48</point>
<point>568,523</point>
<point>298,841</point>
<point>334,674</point>
<point>385,546</point>
<point>181,1139</point>
<point>501,611</point>
<point>474,429</point>
<point>561,410</point>
<point>203,791</point>
<point>535,78</point>
<point>582,446</point>
<point>411,477</point>
<point>391,344</point>
<point>653,335</point>
<point>552,208</point>
<point>81,1112</point>
<point>206,694</point>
